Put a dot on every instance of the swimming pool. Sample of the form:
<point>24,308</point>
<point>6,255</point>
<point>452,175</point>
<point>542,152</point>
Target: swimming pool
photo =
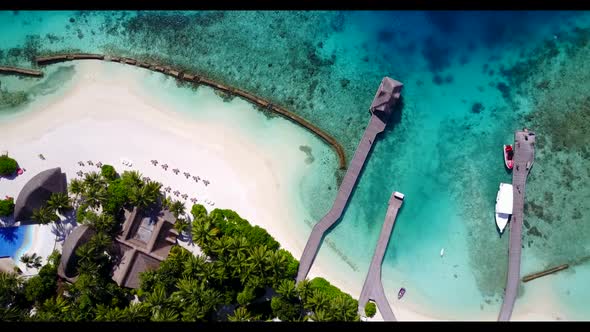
<point>13,241</point>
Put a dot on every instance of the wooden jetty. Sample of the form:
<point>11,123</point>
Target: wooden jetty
<point>193,78</point>
<point>544,273</point>
<point>20,71</point>
<point>381,108</point>
<point>524,157</point>
<point>373,286</point>
<point>45,60</point>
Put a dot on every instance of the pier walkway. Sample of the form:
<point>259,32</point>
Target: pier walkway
<point>20,71</point>
<point>373,286</point>
<point>381,107</point>
<point>524,156</point>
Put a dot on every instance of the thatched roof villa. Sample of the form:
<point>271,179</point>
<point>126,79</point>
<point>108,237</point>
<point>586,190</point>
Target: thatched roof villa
<point>144,242</point>
<point>69,261</point>
<point>37,191</point>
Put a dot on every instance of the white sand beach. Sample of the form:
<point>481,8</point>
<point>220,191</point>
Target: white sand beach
<point>107,118</point>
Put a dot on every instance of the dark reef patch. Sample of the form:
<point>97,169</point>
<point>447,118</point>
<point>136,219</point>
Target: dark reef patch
<point>384,36</point>
<point>477,107</point>
<point>309,156</point>
<point>504,90</point>
<point>436,55</point>
<point>437,79</point>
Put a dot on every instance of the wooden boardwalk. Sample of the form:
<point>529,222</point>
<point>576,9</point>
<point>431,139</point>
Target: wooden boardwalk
<point>373,286</point>
<point>20,71</point>
<point>387,95</point>
<point>524,157</point>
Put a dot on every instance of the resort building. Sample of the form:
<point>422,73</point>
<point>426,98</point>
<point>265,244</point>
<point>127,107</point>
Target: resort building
<point>67,265</point>
<point>144,242</point>
<point>37,191</point>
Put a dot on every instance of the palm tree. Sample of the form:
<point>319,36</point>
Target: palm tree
<point>257,260</point>
<point>109,314</point>
<point>304,289</point>
<point>95,195</point>
<point>76,188</point>
<point>93,179</point>
<point>203,232</point>
<point>31,261</point>
<point>100,242</point>
<point>276,261</point>
<point>86,253</point>
<point>177,208</point>
<point>181,225</point>
<point>193,265</point>
<point>132,178</point>
<point>59,202</point>
<point>157,299</point>
<point>165,315</point>
<point>142,197</point>
<point>194,313</point>
<point>287,289</point>
<point>53,308</point>
<point>221,247</point>
<point>44,215</point>
<point>207,273</point>
<point>241,314</point>
<point>318,300</point>
<point>167,202</point>
<point>12,314</point>
<point>343,308</point>
<point>101,223</point>
<point>137,312</point>
<point>320,316</point>
<point>153,188</point>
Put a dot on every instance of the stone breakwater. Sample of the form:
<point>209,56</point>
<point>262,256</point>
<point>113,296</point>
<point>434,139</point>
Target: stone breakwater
<point>194,78</point>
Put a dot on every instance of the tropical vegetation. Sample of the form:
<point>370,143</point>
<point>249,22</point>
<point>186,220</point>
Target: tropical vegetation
<point>242,273</point>
<point>370,309</point>
<point>7,165</point>
<point>6,207</point>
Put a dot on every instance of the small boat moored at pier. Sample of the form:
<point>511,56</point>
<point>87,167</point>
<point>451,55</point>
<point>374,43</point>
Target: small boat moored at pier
<point>503,206</point>
<point>508,156</point>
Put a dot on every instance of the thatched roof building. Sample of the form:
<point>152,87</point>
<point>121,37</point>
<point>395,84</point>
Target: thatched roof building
<point>37,191</point>
<point>144,242</point>
<point>387,95</point>
<point>68,263</point>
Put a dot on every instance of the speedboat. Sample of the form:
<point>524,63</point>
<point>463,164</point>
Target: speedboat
<point>401,293</point>
<point>503,206</point>
<point>508,156</point>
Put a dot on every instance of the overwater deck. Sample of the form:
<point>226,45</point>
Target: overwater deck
<point>387,95</point>
<point>373,286</point>
<point>524,156</point>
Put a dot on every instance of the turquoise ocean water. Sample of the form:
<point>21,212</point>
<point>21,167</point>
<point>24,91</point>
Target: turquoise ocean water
<point>470,79</point>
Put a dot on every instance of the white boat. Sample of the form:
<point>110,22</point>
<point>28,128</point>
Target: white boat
<point>442,252</point>
<point>503,206</point>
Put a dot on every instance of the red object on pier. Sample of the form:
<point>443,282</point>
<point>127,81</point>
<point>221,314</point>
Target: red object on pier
<point>508,156</point>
